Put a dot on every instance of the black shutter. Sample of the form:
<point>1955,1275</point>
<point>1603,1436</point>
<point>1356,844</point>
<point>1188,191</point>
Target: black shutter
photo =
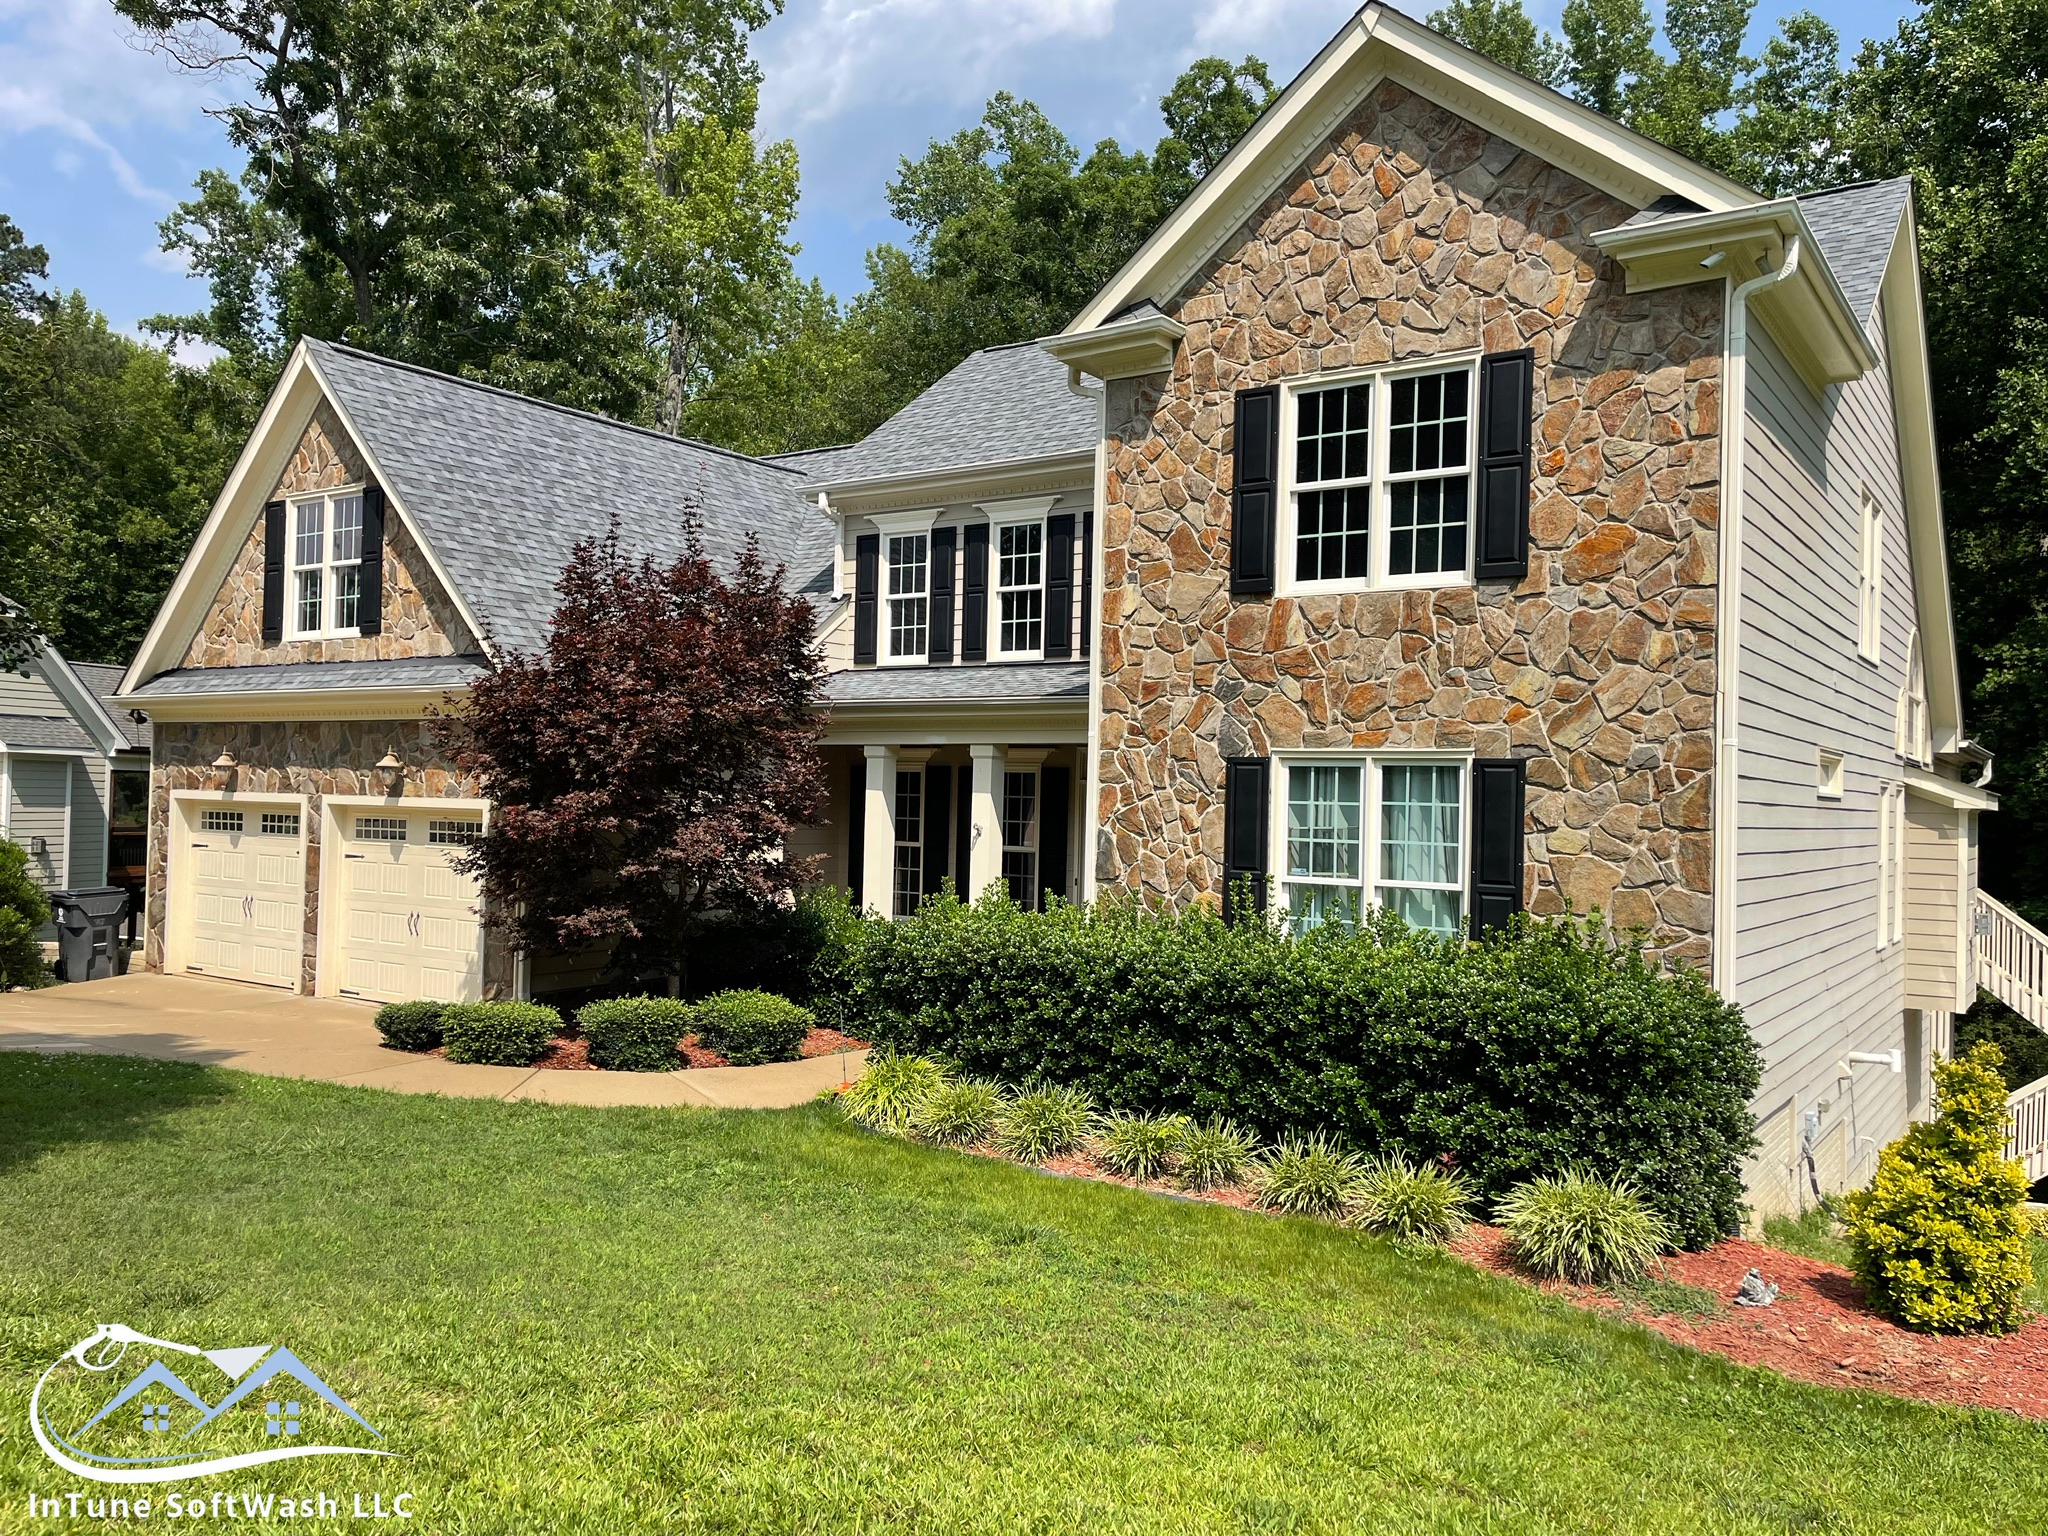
<point>938,823</point>
<point>857,828</point>
<point>1247,789</point>
<point>963,830</point>
<point>1507,384</point>
<point>867,595</point>
<point>1059,586</point>
<point>974,595</point>
<point>1498,787</point>
<point>273,572</point>
<point>370,583</point>
<point>1087,581</point>
<point>942,599</point>
<point>1055,793</point>
<point>1254,474</point>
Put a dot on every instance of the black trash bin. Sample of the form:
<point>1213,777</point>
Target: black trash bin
<point>89,942</point>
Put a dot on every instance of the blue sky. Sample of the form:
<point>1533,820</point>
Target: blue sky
<point>99,138</point>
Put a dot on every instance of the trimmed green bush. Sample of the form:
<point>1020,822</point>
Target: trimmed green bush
<point>1582,1228</point>
<point>889,1093</point>
<point>411,1026</point>
<point>1940,1237</point>
<point>1306,1176</point>
<point>1139,1146</point>
<point>636,1034</point>
<point>749,1028</point>
<point>1215,1154</point>
<point>1554,1045</point>
<point>1045,1120</point>
<point>499,1034</point>
<point>24,909</point>
<point>1411,1203</point>
<point>958,1113</point>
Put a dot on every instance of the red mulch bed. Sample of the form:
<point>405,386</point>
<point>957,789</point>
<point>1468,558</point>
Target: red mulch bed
<point>1819,1330</point>
<point>572,1054</point>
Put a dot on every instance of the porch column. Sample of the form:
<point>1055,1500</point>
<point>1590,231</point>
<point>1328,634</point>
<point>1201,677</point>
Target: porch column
<point>878,825</point>
<point>985,860</point>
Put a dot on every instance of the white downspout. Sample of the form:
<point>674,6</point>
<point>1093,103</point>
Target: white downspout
<point>1091,771</point>
<point>1728,641</point>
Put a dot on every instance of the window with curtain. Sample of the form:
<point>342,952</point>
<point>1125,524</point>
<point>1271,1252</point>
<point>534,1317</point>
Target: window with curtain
<point>1373,832</point>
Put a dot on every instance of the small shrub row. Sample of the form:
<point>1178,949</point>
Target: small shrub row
<point>625,1034</point>
<point>503,1034</point>
<point>635,1034</point>
<point>748,1028</point>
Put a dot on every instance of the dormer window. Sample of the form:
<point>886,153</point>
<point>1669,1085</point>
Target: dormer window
<point>326,565</point>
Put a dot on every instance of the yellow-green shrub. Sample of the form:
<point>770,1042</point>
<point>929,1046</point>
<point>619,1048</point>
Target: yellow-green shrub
<point>1940,1238</point>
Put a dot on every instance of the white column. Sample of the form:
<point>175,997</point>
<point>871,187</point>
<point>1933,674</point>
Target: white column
<point>985,859</point>
<point>878,843</point>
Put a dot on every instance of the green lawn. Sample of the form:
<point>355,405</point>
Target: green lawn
<point>679,1321</point>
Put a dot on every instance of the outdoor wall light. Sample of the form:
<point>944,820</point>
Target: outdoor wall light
<point>392,771</point>
<point>224,770</point>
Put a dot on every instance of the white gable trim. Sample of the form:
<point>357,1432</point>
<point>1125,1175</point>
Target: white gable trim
<point>1381,44</point>
<point>86,707</point>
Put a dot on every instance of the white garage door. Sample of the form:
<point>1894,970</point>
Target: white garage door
<point>241,888</point>
<point>407,925</point>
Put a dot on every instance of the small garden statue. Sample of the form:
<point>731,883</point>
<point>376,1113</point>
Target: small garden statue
<point>1755,1290</point>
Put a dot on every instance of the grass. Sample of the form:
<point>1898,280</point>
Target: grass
<point>1818,1235</point>
<point>598,1321</point>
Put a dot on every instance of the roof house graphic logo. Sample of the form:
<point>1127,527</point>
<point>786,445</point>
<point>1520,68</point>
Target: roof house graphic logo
<point>161,1397</point>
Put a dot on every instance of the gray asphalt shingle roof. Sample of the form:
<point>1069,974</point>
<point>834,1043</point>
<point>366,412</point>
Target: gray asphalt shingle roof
<point>1001,405</point>
<point>502,486</point>
<point>104,680</point>
<point>997,682</point>
<point>25,733</point>
<point>314,676</point>
<point>1856,226</point>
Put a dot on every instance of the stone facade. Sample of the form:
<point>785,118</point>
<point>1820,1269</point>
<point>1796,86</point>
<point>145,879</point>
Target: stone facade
<point>1413,232</point>
<point>419,620</point>
<point>313,758</point>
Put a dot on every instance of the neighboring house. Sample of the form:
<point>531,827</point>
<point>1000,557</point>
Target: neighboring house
<point>1460,503</point>
<point>74,773</point>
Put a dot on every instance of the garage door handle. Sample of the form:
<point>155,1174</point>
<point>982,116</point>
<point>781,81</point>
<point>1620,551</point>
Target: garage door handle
<point>248,906</point>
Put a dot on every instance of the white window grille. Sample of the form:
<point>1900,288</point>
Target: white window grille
<point>1870,582</point>
<point>326,565</point>
<point>908,884</point>
<point>1020,588</point>
<point>1361,830</point>
<point>1020,836</point>
<point>220,821</point>
<point>280,823</point>
<point>453,833</point>
<point>380,829</point>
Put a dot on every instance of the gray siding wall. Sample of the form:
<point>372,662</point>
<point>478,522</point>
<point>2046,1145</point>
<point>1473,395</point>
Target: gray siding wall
<point>35,795</point>
<point>89,822</point>
<point>1810,976</point>
<point>29,696</point>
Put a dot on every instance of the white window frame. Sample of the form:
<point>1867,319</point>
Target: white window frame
<point>891,527</point>
<point>1379,481</point>
<point>1891,865</point>
<point>1034,831</point>
<point>1913,734</point>
<point>1012,514</point>
<point>1828,773</point>
<point>1371,805</point>
<point>907,851</point>
<point>328,567</point>
<point>1870,580</point>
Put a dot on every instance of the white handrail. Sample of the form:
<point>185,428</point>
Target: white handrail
<point>2026,1137</point>
<point>2012,959</point>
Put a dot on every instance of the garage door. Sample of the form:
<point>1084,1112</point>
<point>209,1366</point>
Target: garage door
<point>408,927</point>
<point>241,886</point>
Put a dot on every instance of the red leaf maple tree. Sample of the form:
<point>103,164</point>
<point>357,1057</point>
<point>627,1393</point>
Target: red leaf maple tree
<point>649,763</point>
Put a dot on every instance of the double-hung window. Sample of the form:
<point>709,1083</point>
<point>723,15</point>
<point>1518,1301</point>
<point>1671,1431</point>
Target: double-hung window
<point>908,883</point>
<point>1020,837</point>
<point>326,564</point>
<point>1020,588</point>
<point>1364,831</point>
<point>908,559</point>
<point>1381,479</point>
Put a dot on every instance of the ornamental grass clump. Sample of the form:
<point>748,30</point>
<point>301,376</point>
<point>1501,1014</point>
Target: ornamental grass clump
<point>1940,1237</point>
<point>1046,1120</point>
<point>1582,1228</point>
<point>891,1090</point>
<point>958,1113</point>
<point>1411,1203</point>
<point>1139,1146</point>
<point>1309,1175</point>
<point>1215,1154</point>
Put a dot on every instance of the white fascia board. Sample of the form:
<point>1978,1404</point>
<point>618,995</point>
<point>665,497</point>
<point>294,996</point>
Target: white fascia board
<point>957,722</point>
<point>86,706</point>
<point>302,704</point>
<point>852,498</point>
<point>1128,348</point>
<point>1965,797</point>
<point>1380,44</point>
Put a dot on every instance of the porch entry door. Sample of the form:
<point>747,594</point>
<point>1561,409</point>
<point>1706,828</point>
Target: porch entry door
<point>408,922</point>
<point>241,885</point>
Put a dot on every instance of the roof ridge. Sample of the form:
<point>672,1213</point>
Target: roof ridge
<point>1853,186</point>
<point>546,405</point>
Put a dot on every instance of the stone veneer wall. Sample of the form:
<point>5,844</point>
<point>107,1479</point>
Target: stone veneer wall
<point>418,618</point>
<point>314,758</point>
<point>1413,232</point>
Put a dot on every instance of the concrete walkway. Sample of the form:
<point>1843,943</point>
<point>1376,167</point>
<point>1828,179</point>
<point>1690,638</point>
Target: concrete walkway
<point>258,1029</point>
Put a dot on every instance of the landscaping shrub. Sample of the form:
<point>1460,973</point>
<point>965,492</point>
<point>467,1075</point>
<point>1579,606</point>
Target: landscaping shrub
<point>1410,1202</point>
<point>958,1113</point>
<point>499,1034</point>
<point>635,1034</point>
<point>411,1026</point>
<point>1215,1154</point>
<point>1583,1228</point>
<point>1139,1146</point>
<point>749,1028</point>
<point>1550,1046</point>
<point>1045,1120</point>
<point>1306,1176</point>
<point>1940,1237</point>
<point>891,1090</point>
<point>24,909</point>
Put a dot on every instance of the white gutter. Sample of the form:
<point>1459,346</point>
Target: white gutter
<point>1728,641</point>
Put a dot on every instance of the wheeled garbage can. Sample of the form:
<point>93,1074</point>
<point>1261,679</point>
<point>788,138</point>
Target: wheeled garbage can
<point>89,942</point>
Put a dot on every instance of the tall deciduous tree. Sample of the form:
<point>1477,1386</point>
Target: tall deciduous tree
<point>649,764</point>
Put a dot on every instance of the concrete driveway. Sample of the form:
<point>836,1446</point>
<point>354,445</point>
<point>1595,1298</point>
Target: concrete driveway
<point>259,1029</point>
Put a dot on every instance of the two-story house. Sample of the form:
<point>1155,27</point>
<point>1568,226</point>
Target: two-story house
<point>1460,504</point>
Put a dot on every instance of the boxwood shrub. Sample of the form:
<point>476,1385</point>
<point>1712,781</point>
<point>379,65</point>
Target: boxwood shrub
<point>411,1026</point>
<point>1551,1046</point>
<point>499,1034</point>
<point>635,1034</point>
<point>749,1028</point>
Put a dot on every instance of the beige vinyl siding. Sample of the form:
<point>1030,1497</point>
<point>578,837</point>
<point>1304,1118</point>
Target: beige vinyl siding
<point>1810,976</point>
<point>35,794</point>
<point>1938,861</point>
